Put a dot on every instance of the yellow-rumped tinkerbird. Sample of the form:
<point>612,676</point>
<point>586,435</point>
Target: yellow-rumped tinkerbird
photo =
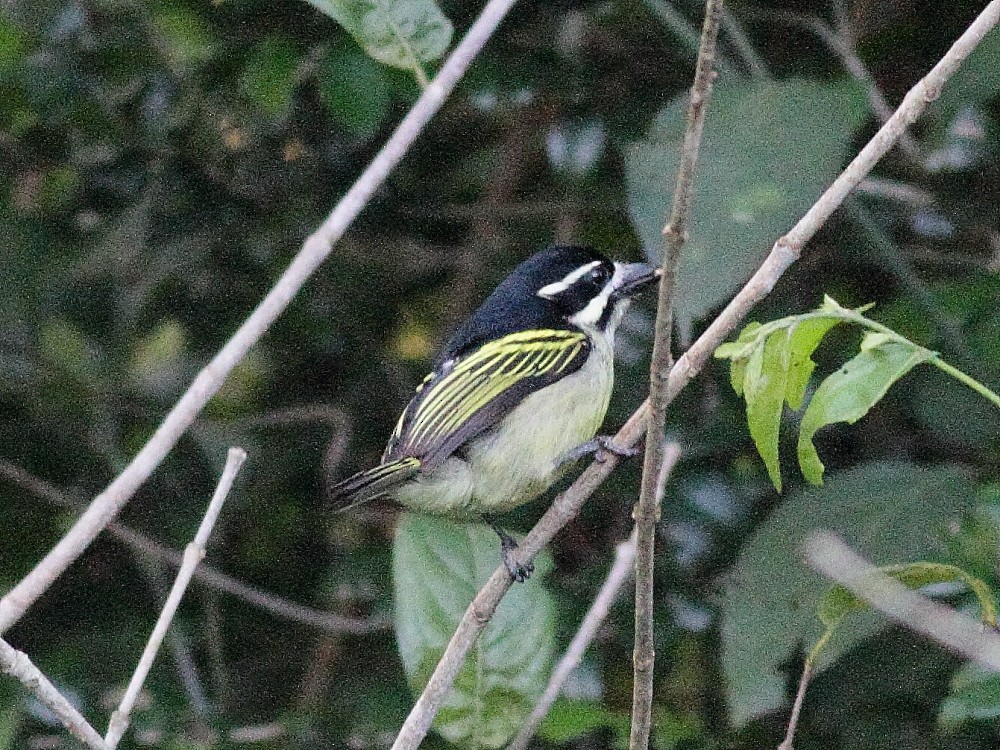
<point>515,396</point>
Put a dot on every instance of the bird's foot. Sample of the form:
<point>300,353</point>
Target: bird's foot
<point>600,447</point>
<point>520,572</point>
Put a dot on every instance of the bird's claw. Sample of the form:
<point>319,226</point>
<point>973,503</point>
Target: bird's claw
<point>600,447</point>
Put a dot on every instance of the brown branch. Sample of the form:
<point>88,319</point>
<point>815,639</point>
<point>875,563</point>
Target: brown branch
<point>193,554</point>
<point>107,505</point>
<point>785,251</point>
<point>620,573</point>
<point>17,664</point>
<point>647,510</point>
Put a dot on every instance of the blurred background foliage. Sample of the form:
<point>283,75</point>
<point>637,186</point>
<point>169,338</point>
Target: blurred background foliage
<point>161,163</point>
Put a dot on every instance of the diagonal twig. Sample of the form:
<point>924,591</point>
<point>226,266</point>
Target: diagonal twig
<point>959,633</point>
<point>192,556</point>
<point>620,573</point>
<point>208,575</point>
<point>17,664</point>
<point>784,253</point>
<point>106,505</point>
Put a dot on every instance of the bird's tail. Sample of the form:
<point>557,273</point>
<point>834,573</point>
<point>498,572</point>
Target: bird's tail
<point>367,485</point>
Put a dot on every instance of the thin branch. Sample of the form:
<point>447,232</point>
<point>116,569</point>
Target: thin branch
<point>741,40</point>
<point>205,574</point>
<point>107,505</point>
<point>784,253</point>
<point>618,576</point>
<point>17,664</point>
<point>193,555</point>
<point>957,632</point>
<point>647,510</point>
<point>686,32</point>
<point>844,50</point>
<point>800,696</point>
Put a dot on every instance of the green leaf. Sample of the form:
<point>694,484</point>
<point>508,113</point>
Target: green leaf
<point>186,40</point>
<point>13,45</point>
<point>751,185</point>
<point>400,33</point>
<point>11,718</point>
<point>569,718</point>
<point>269,77</point>
<point>840,601</point>
<point>438,566</point>
<point>848,394</point>
<point>355,91</point>
<point>889,511</point>
<point>771,365</point>
<point>974,695</point>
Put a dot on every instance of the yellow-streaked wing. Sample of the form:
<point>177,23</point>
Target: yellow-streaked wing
<point>463,398</point>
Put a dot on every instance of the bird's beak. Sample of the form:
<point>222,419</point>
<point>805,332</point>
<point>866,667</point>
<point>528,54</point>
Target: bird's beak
<point>636,277</point>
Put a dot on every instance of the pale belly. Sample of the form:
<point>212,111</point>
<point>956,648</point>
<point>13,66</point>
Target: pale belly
<point>517,461</point>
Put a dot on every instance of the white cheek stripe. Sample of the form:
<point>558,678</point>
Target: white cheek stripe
<point>558,287</point>
<point>591,314</point>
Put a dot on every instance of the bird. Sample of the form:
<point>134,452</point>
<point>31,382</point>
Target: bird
<point>517,395</point>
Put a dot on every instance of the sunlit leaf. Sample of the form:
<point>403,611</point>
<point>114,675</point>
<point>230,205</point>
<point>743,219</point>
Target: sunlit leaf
<point>752,184</point>
<point>438,566</point>
<point>889,511</point>
<point>848,394</point>
<point>400,33</point>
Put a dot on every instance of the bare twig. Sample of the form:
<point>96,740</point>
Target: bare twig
<point>738,35</point>
<point>784,253</point>
<point>800,695</point>
<point>618,576</point>
<point>17,664</point>
<point>843,48</point>
<point>107,505</point>
<point>647,510</point>
<point>205,574</point>
<point>957,632</point>
<point>193,555</point>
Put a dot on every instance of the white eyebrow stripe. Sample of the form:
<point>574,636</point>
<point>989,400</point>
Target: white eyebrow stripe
<point>558,287</point>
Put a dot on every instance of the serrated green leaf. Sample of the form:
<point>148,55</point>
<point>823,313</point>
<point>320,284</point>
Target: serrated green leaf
<point>400,33</point>
<point>974,695</point>
<point>764,391</point>
<point>804,338</point>
<point>848,394</point>
<point>889,511</point>
<point>751,185</point>
<point>269,76</point>
<point>438,566</point>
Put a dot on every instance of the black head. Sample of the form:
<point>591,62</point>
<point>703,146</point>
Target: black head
<point>560,287</point>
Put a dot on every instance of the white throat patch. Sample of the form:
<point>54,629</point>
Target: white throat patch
<point>591,315</point>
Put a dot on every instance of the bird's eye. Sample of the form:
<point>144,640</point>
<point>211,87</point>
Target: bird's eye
<point>601,274</point>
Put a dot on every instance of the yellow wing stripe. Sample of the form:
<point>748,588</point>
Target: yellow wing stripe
<point>486,374</point>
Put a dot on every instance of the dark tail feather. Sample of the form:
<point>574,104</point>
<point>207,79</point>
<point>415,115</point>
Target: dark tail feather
<point>367,485</point>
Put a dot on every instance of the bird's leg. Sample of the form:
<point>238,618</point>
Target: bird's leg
<point>600,447</point>
<point>519,572</point>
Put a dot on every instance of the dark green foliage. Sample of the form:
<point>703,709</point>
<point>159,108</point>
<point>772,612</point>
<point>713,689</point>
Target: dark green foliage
<point>161,162</point>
